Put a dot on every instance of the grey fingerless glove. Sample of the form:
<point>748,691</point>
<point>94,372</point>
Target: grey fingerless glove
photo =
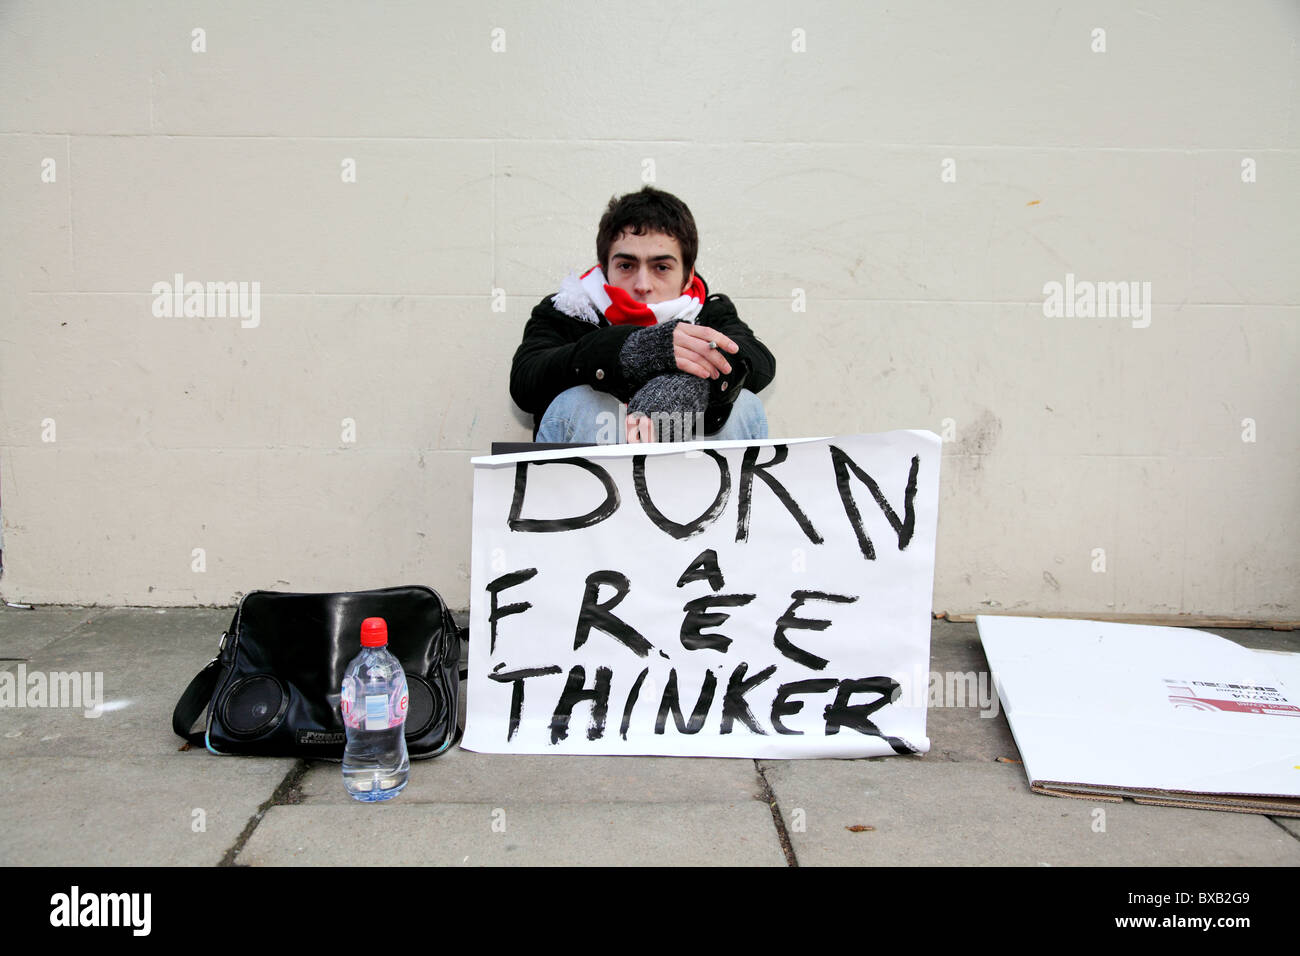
<point>675,403</point>
<point>649,352</point>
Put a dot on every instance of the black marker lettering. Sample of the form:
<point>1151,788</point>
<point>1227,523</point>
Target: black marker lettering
<point>843,465</point>
<point>748,469</point>
<point>697,619</point>
<point>601,616</point>
<point>574,691</point>
<point>733,704</point>
<point>703,568</point>
<point>670,703</point>
<point>631,702</point>
<point>789,620</point>
<point>595,516</point>
<point>692,528</point>
<point>782,706</point>
<point>517,692</point>
<point>496,613</point>
<point>840,714</point>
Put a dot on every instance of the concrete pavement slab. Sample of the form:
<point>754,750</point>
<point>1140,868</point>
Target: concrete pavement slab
<point>461,776</point>
<point>141,660</point>
<point>24,632</point>
<point>965,720</point>
<point>936,813</point>
<point>1290,824</point>
<point>1261,639</point>
<point>583,834</point>
<point>115,789</point>
<point>136,811</point>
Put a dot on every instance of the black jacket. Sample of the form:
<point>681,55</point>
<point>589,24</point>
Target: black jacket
<point>559,351</point>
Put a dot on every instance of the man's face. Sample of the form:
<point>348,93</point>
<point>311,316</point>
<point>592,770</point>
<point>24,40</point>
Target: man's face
<point>649,267</point>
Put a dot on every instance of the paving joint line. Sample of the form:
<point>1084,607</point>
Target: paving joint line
<point>285,794</point>
<point>777,820</point>
<point>1287,830</point>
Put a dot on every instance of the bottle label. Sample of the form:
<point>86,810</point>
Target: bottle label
<point>349,702</point>
<point>374,711</point>
<point>399,703</point>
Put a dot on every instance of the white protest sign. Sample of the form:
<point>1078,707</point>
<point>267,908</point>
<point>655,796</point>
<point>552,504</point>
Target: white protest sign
<point>730,599</point>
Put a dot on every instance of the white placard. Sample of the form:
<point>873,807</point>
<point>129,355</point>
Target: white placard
<point>1137,707</point>
<point>736,599</point>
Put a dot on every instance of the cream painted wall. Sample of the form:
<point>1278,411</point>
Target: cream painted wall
<point>810,141</point>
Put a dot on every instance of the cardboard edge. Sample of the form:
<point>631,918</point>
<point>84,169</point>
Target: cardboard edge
<point>1052,791</point>
<point>1268,804</point>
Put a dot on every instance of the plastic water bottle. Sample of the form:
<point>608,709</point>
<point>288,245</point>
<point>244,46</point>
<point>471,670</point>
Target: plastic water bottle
<point>375,763</point>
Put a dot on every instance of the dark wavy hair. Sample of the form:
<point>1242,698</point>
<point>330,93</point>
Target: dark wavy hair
<point>649,210</point>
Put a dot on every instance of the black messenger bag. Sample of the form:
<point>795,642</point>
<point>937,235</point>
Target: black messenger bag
<point>274,688</point>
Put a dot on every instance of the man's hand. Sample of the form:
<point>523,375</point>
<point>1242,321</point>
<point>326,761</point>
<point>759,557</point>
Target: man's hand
<point>699,350</point>
<point>639,428</point>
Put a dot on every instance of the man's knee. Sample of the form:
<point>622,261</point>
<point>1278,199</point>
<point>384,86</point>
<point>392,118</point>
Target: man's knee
<point>569,402</point>
<point>747,421</point>
<point>581,414</point>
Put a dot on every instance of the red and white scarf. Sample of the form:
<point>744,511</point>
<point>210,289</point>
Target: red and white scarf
<point>584,296</point>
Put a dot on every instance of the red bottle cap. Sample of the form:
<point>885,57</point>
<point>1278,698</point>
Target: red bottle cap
<point>374,632</point>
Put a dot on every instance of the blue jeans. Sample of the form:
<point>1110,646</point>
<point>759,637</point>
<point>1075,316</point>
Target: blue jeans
<point>583,415</point>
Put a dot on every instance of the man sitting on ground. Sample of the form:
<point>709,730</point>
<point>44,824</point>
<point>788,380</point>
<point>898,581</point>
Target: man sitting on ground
<point>636,348</point>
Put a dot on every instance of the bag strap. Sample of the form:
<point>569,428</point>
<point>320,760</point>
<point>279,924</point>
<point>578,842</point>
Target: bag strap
<point>194,701</point>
